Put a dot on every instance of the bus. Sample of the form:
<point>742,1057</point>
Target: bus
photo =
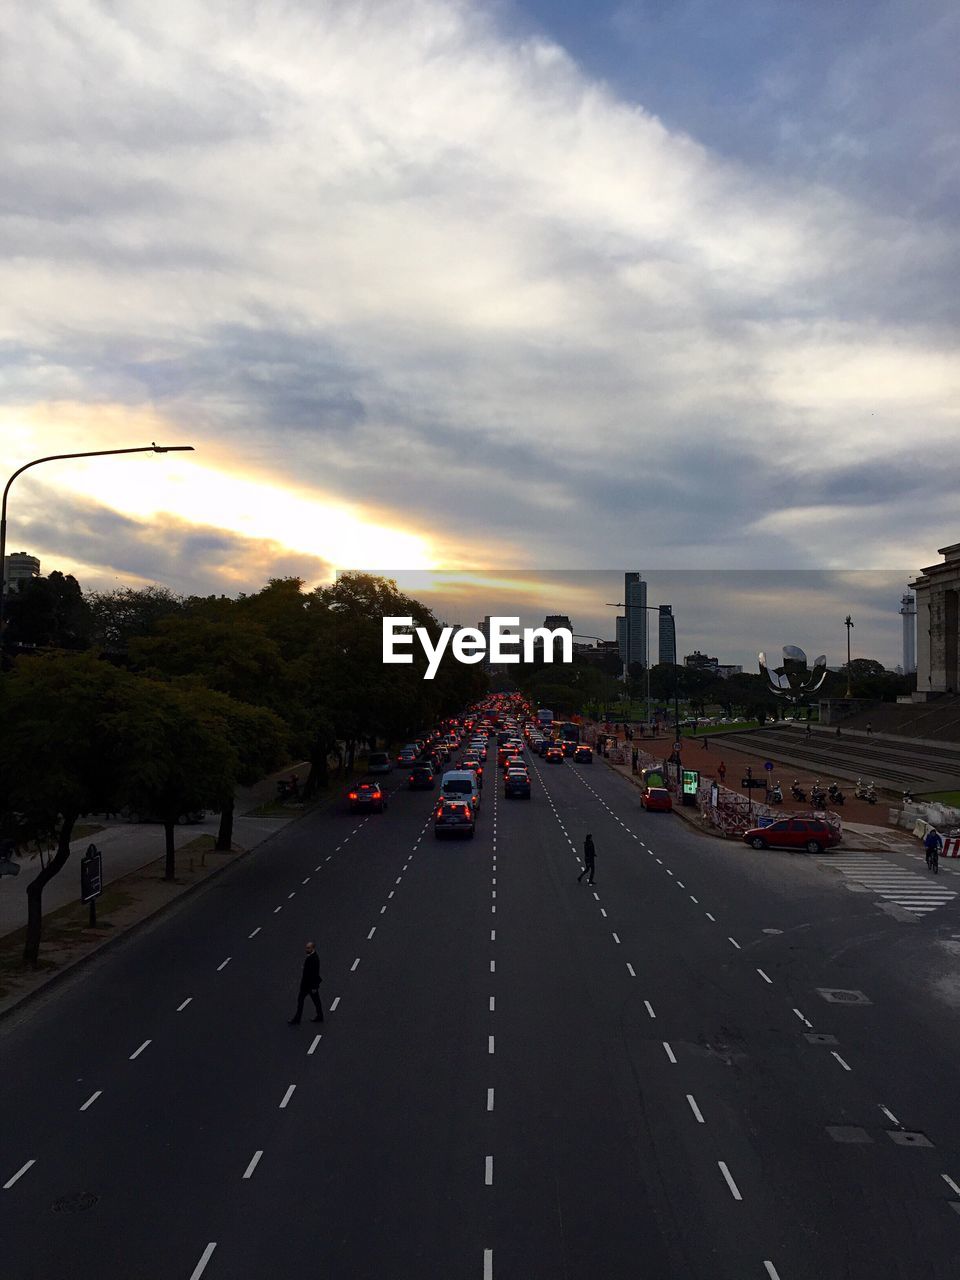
<point>544,718</point>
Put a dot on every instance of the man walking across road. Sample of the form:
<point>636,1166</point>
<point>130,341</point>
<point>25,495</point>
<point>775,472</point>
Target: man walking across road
<point>309,986</point>
<point>589,860</point>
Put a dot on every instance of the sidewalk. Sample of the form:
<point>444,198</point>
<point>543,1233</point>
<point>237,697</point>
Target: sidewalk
<point>129,847</point>
<point>860,832</point>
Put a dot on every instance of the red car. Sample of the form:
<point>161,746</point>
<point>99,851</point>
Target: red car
<point>657,800</point>
<point>812,834</point>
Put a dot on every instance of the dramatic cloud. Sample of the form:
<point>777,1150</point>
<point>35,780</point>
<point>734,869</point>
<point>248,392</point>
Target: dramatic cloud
<point>459,292</point>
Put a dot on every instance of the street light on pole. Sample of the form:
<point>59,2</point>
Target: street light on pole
<point>60,457</point>
<point>848,623</point>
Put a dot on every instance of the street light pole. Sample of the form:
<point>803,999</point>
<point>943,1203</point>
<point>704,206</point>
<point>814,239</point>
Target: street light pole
<point>59,457</point>
<point>848,623</point>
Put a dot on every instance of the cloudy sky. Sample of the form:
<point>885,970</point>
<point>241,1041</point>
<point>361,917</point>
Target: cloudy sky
<point>666,284</point>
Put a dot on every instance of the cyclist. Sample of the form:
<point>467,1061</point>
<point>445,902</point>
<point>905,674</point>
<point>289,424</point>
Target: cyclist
<point>933,843</point>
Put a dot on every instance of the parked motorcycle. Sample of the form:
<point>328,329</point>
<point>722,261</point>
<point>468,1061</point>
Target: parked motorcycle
<point>818,798</point>
<point>775,795</point>
<point>907,797</point>
<point>836,795</point>
<point>867,792</point>
<point>797,791</point>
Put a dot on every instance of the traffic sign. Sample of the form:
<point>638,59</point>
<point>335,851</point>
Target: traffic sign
<point>91,874</point>
<point>676,746</point>
<point>768,765</point>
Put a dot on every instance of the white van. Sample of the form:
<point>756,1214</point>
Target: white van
<point>460,784</point>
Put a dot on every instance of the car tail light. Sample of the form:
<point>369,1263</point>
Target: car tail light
<point>410,779</point>
<point>353,795</point>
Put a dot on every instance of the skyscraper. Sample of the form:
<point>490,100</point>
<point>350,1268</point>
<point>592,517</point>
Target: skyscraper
<point>667,635</point>
<point>908,611</point>
<point>634,619</point>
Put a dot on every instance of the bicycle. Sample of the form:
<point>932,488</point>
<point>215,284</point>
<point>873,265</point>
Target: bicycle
<point>933,861</point>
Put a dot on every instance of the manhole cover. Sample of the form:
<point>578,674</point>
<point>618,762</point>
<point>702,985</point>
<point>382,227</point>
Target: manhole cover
<point>906,1138</point>
<point>75,1204</point>
<point>820,1037</point>
<point>848,1133</point>
<point>836,995</point>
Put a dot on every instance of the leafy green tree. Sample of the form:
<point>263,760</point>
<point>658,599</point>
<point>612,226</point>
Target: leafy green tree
<point>49,612</point>
<point>59,758</point>
<point>118,616</point>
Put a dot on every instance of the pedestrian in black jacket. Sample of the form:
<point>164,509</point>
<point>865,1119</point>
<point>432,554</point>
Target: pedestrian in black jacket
<point>309,986</point>
<point>589,860</point>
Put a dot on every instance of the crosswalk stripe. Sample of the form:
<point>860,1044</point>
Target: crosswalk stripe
<point>897,885</point>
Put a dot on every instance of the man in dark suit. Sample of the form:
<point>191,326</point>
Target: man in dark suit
<point>309,986</point>
<point>589,860</point>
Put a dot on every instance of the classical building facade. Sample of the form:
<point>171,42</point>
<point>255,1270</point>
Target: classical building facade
<point>937,591</point>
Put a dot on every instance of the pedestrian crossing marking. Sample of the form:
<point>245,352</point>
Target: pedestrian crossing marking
<point>910,890</point>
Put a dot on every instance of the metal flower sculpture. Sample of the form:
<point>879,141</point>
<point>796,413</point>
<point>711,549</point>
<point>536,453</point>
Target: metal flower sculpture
<point>794,679</point>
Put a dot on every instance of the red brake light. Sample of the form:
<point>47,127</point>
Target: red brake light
<point>353,795</point>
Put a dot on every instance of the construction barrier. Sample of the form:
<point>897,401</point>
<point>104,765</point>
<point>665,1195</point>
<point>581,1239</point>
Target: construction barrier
<point>951,847</point>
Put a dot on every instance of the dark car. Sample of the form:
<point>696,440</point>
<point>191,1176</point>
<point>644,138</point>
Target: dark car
<point>422,777</point>
<point>553,754</point>
<point>368,797</point>
<point>569,747</point>
<point>583,754</point>
<point>453,817</point>
<point>812,834</point>
<point>516,783</point>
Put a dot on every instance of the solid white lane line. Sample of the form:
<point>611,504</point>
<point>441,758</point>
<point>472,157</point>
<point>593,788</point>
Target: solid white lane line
<point>489,1099</point>
<point>21,1171</point>
<point>287,1096</point>
<point>735,943</point>
<point>91,1100</point>
<point>313,1047</point>
<point>764,977</point>
<point>488,1264</point>
<point>255,932</point>
<point>709,916</point>
<point>205,1257</point>
<point>734,1190</point>
<point>492,1003</point>
<point>355,964</point>
<point>695,1109</point>
<point>669,1052</point>
<point>222,966</point>
<point>248,1172</point>
<point>181,1007</point>
<point>137,1052</point>
<point>649,1008</point>
<point>488,1171</point>
<point>371,933</point>
<point>334,1003</point>
<point>772,1271</point>
<point>616,939</point>
<point>630,969</point>
<point>949,1181</point>
<point>889,1114</point>
<point>846,1066</point>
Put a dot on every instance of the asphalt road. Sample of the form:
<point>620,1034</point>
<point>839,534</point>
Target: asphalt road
<point>518,1076</point>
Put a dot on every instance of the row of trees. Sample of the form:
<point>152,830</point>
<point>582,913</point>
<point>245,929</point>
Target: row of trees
<point>582,685</point>
<point>167,704</point>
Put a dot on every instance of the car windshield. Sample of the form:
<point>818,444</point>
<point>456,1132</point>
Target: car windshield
<point>459,786</point>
